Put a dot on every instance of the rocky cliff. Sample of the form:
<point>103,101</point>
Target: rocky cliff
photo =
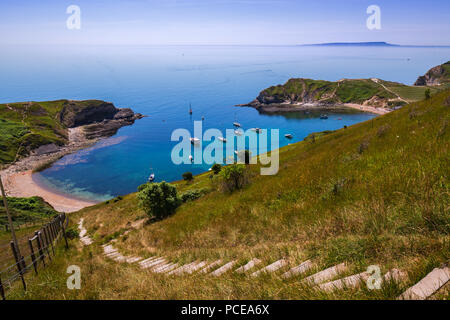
<point>435,76</point>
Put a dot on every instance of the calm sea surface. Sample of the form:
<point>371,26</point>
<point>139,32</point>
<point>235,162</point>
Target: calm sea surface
<point>160,82</point>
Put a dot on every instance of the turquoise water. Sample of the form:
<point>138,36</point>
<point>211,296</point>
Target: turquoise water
<point>160,82</point>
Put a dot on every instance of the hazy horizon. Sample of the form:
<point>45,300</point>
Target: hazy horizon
<point>223,22</point>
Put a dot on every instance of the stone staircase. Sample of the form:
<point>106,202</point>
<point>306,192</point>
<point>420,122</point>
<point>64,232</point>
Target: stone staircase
<point>326,280</point>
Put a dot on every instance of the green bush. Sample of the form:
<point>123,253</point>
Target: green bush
<point>158,199</point>
<point>72,233</point>
<point>187,176</point>
<point>233,177</point>
<point>216,168</point>
<point>192,195</point>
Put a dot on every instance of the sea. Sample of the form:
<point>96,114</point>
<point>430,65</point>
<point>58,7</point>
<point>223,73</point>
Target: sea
<point>162,82</point>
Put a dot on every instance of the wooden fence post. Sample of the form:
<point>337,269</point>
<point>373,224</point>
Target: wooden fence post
<point>46,242</point>
<point>2,291</point>
<point>40,245</point>
<point>33,257</point>
<point>19,264</point>
<point>63,229</point>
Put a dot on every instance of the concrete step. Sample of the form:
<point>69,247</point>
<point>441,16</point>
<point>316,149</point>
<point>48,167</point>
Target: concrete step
<point>133,259</point>
<point>223,269</point>
<point>428,285</point>
<point>350,282</point>
<point>210,266</point>
<point>326,275</point>
<point>252,263</point>
<point>271,268</point>
<point>183,268</point>
<point>300,269</point>
<point>153,263</point>
<point>166,268</point>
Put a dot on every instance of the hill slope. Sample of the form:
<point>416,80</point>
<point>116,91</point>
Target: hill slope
<point>331,94</point>
<point>376,193</point>
<point>26,126</point>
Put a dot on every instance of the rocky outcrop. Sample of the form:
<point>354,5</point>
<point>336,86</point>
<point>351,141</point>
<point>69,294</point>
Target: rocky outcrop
<point>435,76</point>
<point>109,127</point>
<point>99,118</point>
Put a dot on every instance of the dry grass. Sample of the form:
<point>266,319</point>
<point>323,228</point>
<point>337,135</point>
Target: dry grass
<point>385,204</point>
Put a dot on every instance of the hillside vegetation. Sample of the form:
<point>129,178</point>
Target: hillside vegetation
<point>371,92</point>
<point>376,193</point>
<point>26,126</point>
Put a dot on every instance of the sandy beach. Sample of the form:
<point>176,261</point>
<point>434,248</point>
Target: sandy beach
<point>370,109</point>
<point>21,184</point>
<point>18,177</point>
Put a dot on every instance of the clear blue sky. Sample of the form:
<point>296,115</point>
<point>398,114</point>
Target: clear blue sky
<point>252,22</point>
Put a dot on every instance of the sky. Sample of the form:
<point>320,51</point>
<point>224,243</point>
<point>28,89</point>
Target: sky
<point>222,22</point>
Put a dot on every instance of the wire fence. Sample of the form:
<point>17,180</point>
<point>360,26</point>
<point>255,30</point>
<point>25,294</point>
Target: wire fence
<point>35,253</point>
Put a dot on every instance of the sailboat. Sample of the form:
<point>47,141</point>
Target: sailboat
<point>151,178</point>
<point>194,140</point>
<point>235,123</point>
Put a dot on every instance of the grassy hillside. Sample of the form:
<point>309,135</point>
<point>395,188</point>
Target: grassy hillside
<point>374,193</point>
<point>25,126</point>
<point>373,92</point>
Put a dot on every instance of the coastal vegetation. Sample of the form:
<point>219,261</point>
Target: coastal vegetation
<point>26,211</point>
<point>368,92</point>
<point>42,127</point>
<point>375,193</point>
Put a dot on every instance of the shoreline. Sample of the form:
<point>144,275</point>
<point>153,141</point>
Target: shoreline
<point>22,184</point>
<point>18,177</point>
<point>296,107</point>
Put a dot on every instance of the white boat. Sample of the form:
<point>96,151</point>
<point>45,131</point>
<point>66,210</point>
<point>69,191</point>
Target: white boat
<point>222,139</point>
<point>238,132</point>
<point>237,124</point>
<point>194,140</point>
<point>191,158</point>
<point>257,130</point>
<point>151,178</point>
<point>289,136</point>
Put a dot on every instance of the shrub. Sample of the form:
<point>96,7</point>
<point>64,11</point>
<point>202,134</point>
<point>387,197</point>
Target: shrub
<point>233,177</point>
<point>158,199</point>
<point>187,176</point>
<point>427,94</point>
<point>216,168</point>
<point>192,195</point>
<point>72,233</point>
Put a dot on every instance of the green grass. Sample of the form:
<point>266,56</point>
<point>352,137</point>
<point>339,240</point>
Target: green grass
<point>374,193</point>
<point>25,126</point>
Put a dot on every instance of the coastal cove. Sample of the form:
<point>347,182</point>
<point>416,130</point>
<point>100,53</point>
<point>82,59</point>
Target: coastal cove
<point>162,82</point>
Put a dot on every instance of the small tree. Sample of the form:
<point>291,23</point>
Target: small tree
<point>216,168</point>
<point>428,94</point>
<point>158,199</point>
<point>233,177</point>
<point>187,176</point>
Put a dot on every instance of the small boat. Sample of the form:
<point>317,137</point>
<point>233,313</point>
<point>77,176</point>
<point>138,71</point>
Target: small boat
<point>339,118</point>
<point>237,124</point>
<point>289,136</point>
<point>194,140</point>
<point>257,130</point>
<point>151,178</point>
<point>191,158</point>
<point>323,116</point>
<point>203,118</point>
<point>222,139</point>
<point>190,109</point>
<point>236,152</point>
<point>238,132</point>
